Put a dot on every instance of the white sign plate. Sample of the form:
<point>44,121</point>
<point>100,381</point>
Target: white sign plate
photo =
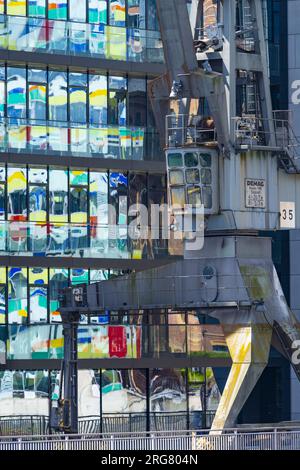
<point>287,215</point>
<point>255,193</point>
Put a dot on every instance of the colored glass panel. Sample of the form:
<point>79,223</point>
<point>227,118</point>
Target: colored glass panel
<point>78,100</point>
<point>117,12</point>
<point>37,8</point>
<point>58,196</point>
<point>16,7</point>
<point>38,304</point>
<point>98,99</point>
<point>16,92</point>
<point>37,101</point>
<point>17,194</point>
<point>97,11</point>
<point>57,9</point>
<point>17,295</point>
<point>58,96</point>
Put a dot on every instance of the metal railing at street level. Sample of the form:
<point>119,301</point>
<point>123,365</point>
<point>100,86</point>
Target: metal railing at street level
<point>231,439</point>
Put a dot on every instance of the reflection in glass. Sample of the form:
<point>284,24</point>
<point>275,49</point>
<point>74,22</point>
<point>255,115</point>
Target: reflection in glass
<point>192,176</point>
<point>117,13</point>
<point>17,295</point>
<point>38,304</point>
<point>207,196</point>
<point>205,159</point>
<point>58,96</point>
<point>178,196</point>
<point>24,393</point>
<point>175,159</point>
<point>16,92</point>
<point>168,396</point>
<point>98,99</point>
<point>190,159</point>
<point>123,391</point>
<point>57,9</point>
<point>176,177</point>
<point>205,176</point>
<point>194,195</point>
<point>37,101</point>
<point>97,11</point>
<point>37,8</point>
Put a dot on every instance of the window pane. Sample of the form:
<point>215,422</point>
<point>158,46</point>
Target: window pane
<point>205,159</point>
<point>130,386</point>
<point>37,101</point>
<point>57,9</point>
<point>77,10</point>
<point>37,8</point>
<point>192,176</point>
<point>77,105</point>
<point>175,159</point>
<point>16,7</point>
<point>178,196</point>
<point>194,195</point>
<point>58,196</point>
<point>38,304</point>
<point>16,188</point>
<point>78,205</point>
<point>137,14</point>
<point>137,97</point>
<point>2,98</point>
<point>168,400</point>
<point>37,203</point>
<point>78,178</point>
<point>37,76</point>
<point>38,276</point>
<point>37,175</point>
<point>117,13</point>
<point>58,96</point>
<point>152,16</point>
<point>3,303</point>
<point>190,159</point>
<point>17,295</point>
<point>207,196</point>
<point>176,177</point>
<point>97,11</point>
<point>16,92</point>
<point>205,176</point>
<point>98,99</point>
<point>58,280</point>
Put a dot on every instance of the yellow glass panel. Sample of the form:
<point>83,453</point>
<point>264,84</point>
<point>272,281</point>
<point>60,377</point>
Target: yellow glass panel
<point>38,276</point>
<point>16,7</point>
<point>2,276</point>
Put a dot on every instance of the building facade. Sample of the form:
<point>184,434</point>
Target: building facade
<point>77,135</point>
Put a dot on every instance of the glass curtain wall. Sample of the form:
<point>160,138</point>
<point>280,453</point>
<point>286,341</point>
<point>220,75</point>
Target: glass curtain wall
<point>112,400</point>
<point>60,211</point>
<point>67,112</point>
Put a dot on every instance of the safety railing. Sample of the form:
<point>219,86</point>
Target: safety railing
<point>19,135</point>
<point>80,39</point>
<point>264,439</point>
<point>189,130</point>
<point>277,134</point>
<point>110,423</point>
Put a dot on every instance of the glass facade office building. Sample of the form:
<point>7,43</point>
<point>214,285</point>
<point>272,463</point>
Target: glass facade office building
<point>77,134</point>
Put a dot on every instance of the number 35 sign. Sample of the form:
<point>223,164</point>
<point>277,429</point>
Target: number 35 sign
<point>287,215</point>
